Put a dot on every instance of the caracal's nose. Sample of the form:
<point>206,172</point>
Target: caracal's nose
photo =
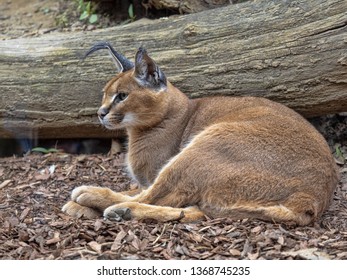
<point>102,112</point>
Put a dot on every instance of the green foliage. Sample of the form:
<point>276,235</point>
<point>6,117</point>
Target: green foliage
<point>131,15</point>
<point>62,20</point>
<point>339,155</point>
<point>87,11</point>
<point>93,18</point>
<point>131,12</point>
<point>44,150</point>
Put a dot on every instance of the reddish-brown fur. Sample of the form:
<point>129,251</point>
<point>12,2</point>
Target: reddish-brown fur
<point>237,157</point>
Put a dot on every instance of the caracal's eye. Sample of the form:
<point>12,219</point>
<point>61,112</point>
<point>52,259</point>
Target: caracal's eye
<point>121,96</point>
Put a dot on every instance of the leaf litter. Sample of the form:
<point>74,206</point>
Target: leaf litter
<point>34,188</point>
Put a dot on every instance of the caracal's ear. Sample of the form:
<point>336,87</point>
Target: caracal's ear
<point>147,73</point>
<point>122,63</point>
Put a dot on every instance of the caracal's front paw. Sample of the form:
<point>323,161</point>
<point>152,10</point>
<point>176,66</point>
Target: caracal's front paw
<point>93,197</point>
<point>116,213</point>
<point>78,211</point>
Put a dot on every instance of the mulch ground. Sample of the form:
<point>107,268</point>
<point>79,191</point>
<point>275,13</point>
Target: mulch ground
<point>34,188</point>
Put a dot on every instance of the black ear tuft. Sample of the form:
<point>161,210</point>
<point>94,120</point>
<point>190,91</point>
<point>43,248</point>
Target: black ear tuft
<point>121,62</point>
<point>147,72</point>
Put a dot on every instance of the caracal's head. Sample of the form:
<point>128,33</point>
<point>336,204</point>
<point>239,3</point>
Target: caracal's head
<point>137,96</point>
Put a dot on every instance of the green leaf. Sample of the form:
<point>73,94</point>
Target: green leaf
<point>84,15</point>
<point>40,150</point>
<point>131,11</point>
<point>88,8</point>
<point>53,150</point>
<point>93,18</point>
<point>338,151</point>
<point>44,150</point>
<point>81,6</point>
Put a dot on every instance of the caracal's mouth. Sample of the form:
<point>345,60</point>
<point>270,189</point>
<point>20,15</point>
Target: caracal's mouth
<point>117,121</point>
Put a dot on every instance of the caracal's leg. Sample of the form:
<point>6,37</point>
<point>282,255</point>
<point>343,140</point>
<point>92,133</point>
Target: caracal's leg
<point>90,202</point>
<point>140,211</point>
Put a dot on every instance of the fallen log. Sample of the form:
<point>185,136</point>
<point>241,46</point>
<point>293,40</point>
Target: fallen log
<point>293,52</point>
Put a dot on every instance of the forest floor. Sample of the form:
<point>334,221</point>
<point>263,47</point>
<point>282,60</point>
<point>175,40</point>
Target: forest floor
<point>23,18</point>
<point>33,189</point>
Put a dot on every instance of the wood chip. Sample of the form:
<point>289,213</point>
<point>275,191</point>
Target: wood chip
<point>308,254</point>
<point>54,240</point>
<point>5,183</point>
<point>24,213</point>
<point>95,246</point>
<point>118,241</point>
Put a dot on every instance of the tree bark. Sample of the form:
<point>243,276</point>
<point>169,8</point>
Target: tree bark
<point>293,52</point>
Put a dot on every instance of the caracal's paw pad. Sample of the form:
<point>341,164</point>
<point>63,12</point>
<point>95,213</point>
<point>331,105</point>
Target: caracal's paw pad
<point>92,197</point>
<point>78,211</point>
<point>114,213</point>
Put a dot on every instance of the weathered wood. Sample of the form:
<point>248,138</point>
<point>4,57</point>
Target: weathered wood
<point>292,52</point>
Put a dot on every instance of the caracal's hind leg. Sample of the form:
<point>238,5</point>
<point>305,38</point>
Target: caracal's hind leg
<point>90,202</point>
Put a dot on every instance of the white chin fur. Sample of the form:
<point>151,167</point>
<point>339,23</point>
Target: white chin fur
<point>107,125</point>
<point>128,119</point>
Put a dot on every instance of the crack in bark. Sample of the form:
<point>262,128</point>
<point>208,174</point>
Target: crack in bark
<point>339,26</point>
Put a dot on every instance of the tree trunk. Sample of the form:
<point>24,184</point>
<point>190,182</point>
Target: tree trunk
<point>293,52</point>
